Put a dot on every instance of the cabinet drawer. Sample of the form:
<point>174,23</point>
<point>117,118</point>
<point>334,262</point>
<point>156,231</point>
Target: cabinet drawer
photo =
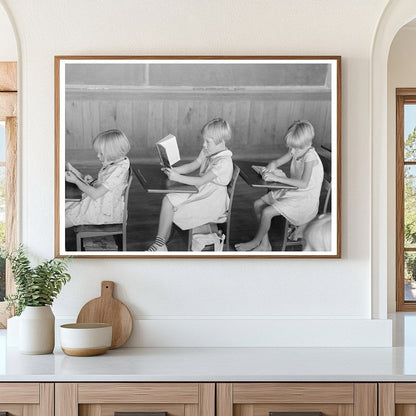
<point>21,399</point>
<point>147,399</point>
<point>270,399</point>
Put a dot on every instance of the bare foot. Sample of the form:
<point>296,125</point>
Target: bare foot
<point>263,247</point>
<point>250,245</point>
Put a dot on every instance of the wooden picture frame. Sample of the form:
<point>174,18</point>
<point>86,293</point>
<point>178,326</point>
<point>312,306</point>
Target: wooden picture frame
<point>149,97</point>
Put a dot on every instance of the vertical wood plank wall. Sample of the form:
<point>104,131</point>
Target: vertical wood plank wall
<point>259,120</point>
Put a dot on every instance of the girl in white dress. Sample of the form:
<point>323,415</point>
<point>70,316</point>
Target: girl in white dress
<point>298,206</point>
<point>211,202</point>
<point>102,200</point>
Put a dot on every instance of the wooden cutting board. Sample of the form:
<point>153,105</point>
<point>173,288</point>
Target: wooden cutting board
<point>107,309</point>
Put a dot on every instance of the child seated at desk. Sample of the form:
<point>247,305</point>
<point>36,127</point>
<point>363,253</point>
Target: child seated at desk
<point>102,200</point>
<point>190,210</point>
<point>298,206</point>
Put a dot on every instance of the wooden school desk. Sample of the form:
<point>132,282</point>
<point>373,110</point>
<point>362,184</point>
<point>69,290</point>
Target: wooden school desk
<point>154,180</point>
<point>255,180</point>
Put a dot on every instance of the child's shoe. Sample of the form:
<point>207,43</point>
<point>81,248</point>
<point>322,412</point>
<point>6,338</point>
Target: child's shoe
<point>157,247</point>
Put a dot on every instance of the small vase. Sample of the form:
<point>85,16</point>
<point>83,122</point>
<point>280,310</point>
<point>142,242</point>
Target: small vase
<point>37,330</point>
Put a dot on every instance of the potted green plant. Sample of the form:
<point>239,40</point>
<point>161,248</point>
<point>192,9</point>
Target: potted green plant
<point>36,289</point>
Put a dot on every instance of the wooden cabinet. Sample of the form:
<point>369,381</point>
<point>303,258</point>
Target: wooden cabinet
<point>332,399</point>
<point>397,399</point>
<point>27,399</point>
<point>105,399</point>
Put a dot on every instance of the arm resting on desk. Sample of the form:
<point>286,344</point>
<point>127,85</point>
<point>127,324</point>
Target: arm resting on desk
<point>187,167</point>
<point>301,183</point>
<point>190,180</point>
<point>91,191</point>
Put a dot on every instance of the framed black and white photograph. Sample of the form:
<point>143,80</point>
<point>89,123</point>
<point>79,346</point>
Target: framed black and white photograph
<point>198,156</point>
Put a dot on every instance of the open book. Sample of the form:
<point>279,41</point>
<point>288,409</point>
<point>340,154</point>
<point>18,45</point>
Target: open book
<point>168,151</point>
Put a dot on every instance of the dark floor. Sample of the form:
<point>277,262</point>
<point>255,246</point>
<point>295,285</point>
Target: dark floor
<point>143,209</point>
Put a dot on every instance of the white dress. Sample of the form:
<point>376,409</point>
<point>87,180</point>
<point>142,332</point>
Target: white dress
<point>211,202</point>
<point>108,209</point>
<point>299,206</point>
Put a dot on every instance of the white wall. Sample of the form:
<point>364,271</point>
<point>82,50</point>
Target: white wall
<point>212,302</point>
<point>401,74</point>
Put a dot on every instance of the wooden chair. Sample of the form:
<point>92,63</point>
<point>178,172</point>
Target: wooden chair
<point>103,230</point>
<point>326,188</point>
<point>211,227</point>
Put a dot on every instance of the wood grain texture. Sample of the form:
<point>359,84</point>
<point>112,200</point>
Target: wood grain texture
<point>405,393</point>
<point>252,393</point>
<point>8,105</point>
<point>365,399</point>
<point>19,393</point>
<point>207,399</point>
<point>110,409</point>
<point>107,309</point>
<point>386,399</point>
<point>138,393</point>
<point>190,410</point>
<point>224,399</point>
<point>66,399</point>
<point>47,399</point>
<point>8,76</point>
<point>262,410</point>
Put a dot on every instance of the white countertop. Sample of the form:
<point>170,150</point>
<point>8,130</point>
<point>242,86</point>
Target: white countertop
<point>221,364</point>
<point>215,364</point>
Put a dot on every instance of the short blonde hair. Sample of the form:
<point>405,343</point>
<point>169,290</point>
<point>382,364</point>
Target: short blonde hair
<point>300,134</point>
<point>113,144</point>
<point>218,130</point>
<point>318,234</point>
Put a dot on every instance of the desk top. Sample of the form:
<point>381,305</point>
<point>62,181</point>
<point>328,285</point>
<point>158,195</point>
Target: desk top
<point>255,180</point>
<point>154,180</point>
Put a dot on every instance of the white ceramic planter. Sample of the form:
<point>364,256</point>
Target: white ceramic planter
<point>37,330</point>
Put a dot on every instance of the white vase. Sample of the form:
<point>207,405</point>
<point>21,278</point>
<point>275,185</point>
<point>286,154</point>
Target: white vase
<point>37,330</point>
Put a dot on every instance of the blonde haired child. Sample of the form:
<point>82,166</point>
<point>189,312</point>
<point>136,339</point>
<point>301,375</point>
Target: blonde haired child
<point>298,206</point>
<point>102,200</point>
<point>215,166</point>
<point>317,234</point>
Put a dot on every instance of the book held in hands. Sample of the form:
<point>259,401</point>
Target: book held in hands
<point>168,151</point>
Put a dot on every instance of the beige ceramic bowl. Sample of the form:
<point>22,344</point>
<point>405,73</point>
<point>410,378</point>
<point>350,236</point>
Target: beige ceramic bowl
<point>83,340</point>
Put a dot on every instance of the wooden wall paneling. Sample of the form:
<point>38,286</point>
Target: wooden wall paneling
<point>365,399</point>
<point>124,116</point>
<point>107,115</point>
<point>8,105</point>
<point>66,399</point>
<point>207,399</point>
<point>214,108</point>
<point>252,393</point>
<point>89,127</point>
<point>224,399</point>
<point>386,399</point>
<point>242,117</point>
<point>199,119</point>
<point>229,112</point>
<point>155,125</point>
<point>140,124</point>
<point>8,76</point>
<point>256,126</point>
<point>74,125</point>
<point>187,123</point>
<point>170,118</point>
<point>138,393</point>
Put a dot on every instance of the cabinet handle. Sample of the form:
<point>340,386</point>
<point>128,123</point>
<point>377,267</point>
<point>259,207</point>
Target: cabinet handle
<point>138,414</point>
<point>4,413</point>
<point>295,413</point>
